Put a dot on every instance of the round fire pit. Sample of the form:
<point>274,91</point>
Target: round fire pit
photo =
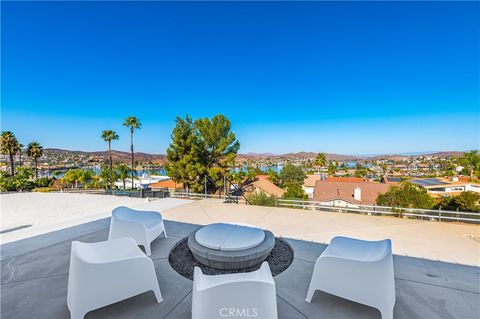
<point>230,246</point>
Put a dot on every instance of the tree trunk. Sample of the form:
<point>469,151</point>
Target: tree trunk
<point>110,163</point>
<point>132,154</point>
<point>12,164</point>
<point>124,186</point>
<point>110,155</point>
<point>36,170</point>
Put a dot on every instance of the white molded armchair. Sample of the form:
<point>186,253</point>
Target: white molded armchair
<point>107,272</point>
<point>358,270</point>
<point>143,226</point>
<point>241,295</point>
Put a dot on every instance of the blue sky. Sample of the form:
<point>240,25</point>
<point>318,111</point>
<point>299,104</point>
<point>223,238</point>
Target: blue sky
<point>338,77</point>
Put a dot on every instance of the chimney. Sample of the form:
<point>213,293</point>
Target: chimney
<point>357,193</point>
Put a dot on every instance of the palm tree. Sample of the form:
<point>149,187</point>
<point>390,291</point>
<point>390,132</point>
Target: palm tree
<point>109,136</point>
<point>321,160</point>
<point>471,161</point>
<point>9,146</point>
<point>133,123</point>
<point>35,151</point>
<point>123,170</point>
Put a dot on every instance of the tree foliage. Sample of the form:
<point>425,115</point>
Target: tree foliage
<point>123,172</point>
<point>199,148</point>
<point>471,161</point>
<point>133,123</point>
<point>291,175</point>
<point>406,195</point>
<point>9,145</point>
<point>109,136</point>
<point>260,198</point>
<point>35,151</point>
<point>21,181</point>
<point>295,191</point>
<point>321,160</point>
<point>465,201</point>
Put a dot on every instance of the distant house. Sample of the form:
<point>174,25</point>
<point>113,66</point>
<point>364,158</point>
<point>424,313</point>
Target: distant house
<point>265,185</point>
<point>169,184</point>
<point>309,184</point>
<point>445,187</point>
<point>348,194</point>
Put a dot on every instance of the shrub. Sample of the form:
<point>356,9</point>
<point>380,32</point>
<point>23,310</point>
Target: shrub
<point>406,195</point>
<point>466,201</point>
<point>261,198</point>
<point>44,182</point>
<point>43,189</point>
<point>20,182</point>
<point>295,191</point>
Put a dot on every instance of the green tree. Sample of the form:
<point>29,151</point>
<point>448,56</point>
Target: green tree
<point>9,145</point>
<point>72,177</point>
<point>471,161</point>
<point>295,191</point>
<point>406,195</point>
<point>183,155</point>
<point>21,181</point>
<point>122,171</point>
<point>321,160</point>
<point>133,123</point>
<point>35,151</point>
<point>465,201</point>
<point>108,176</point>
<point>201,147</point>
<point>291,175</point>
<point>332,169</point>
<point>218,147</point>
<point>109,136</point>
<point>260,198</point>
<point>273,177</point>
<point>86,177</point>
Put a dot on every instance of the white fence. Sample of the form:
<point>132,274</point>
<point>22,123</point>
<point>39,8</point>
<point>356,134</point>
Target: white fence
<point>424,214</point>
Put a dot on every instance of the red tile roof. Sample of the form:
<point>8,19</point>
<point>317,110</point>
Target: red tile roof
<point>347,179</point>
<point>325,191</point>
<point>268,187</point>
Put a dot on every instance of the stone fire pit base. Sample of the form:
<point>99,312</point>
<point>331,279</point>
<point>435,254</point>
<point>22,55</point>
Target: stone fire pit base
<point>182,261</point>
<point>238,259</point>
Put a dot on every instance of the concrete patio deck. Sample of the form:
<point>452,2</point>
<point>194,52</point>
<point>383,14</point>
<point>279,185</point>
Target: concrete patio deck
<point>436,266</point>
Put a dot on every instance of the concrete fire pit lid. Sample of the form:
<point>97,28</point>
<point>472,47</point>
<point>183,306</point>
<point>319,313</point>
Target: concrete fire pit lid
<point>229,237</point>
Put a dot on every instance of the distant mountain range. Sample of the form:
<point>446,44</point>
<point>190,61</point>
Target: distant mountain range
<point>161,158</point>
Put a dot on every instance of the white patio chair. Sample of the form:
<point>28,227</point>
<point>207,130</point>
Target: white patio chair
<point>358,270</point>
<point>107,272</point>
<point>143,226</point>
<point>242,295</point>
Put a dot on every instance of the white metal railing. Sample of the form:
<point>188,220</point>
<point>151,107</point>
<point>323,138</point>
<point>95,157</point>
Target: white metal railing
<point>429,214</point>
<point>385,210</point>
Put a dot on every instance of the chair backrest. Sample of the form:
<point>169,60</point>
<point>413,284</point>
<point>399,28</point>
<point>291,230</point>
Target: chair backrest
<point>360,250</point>
<point>234,295</point>
<point>128,214</point>
<point>122,212</point>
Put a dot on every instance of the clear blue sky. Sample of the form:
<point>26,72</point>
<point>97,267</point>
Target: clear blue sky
<point>351,78</point>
